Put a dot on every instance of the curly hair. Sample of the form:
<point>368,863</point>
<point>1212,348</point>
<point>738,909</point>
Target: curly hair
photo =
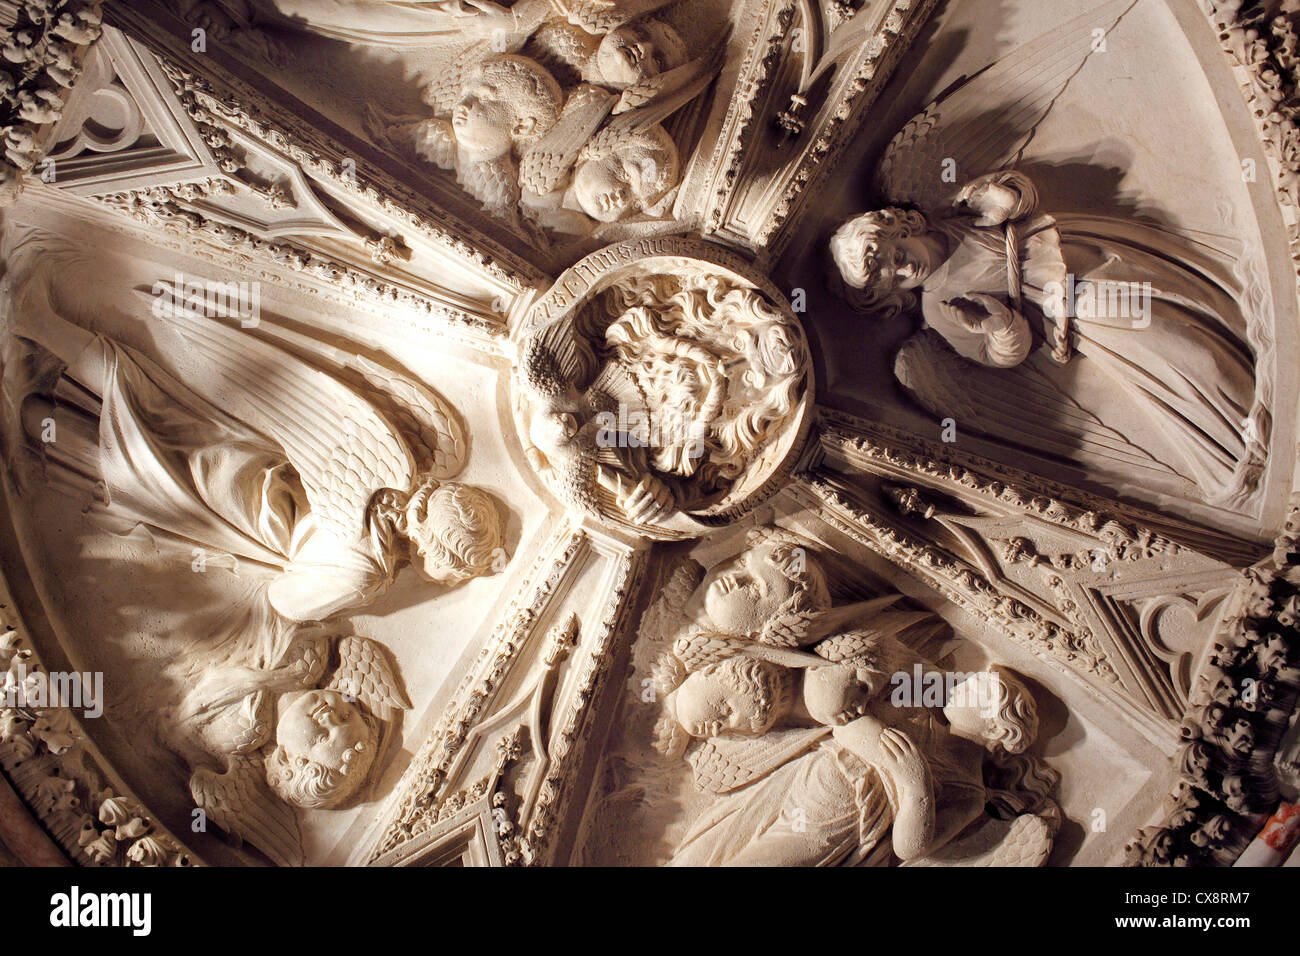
<point>457,526</point>
<point>307,783</point>
<point>527,86</point>
<point>855,247</point>
<point>771,685</point>
<point>1013,714</point>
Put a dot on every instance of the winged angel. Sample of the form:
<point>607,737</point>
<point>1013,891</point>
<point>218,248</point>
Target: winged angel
<point>1010,294</point>
<point>328,471</point>
<point>559,117</point>
<point>775,698</point>
<point>285,739</point>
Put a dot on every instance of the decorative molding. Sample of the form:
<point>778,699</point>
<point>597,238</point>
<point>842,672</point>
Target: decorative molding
<point>53,767</point>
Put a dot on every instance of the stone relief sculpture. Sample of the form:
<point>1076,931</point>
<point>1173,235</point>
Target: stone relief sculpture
<point>660,389</point>
<point>337,519</point>
<point>558,118</point>
<point>282,742</point>
<point>1005,284</point>
<point>318,490</point>
<point>661,397</point>
<point>779,703</point>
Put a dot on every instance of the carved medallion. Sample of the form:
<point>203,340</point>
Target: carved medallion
<point>661,386</point>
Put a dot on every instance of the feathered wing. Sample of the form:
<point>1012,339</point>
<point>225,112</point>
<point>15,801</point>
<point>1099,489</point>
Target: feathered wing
<point>365,673</point>
<point>665,93</point>
<point>984,123</point>
<point>870,638</point>
<point>604,16</point>
<point>343,446</point>
<point>723,764</point>
<point>429,423</point>
<point>1022,405</point>
<point>667,613</point>
<point>1023,841</point>
<point>653,101</point>
<point>543,167</point>
<point>241,803</point>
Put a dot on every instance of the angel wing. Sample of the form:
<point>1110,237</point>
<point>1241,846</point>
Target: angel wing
<point>343,446</point>
<point>985,122</point>
<point>792,628</point>
<point>364,672</point>
<point>668,612</point>
<point>543,167</point>
<point>603,16</point>
<point>241,803</point>
<point>444,91</point>
<point>1022,405</point>
<point>1024,841</point>
<point>723,764</point>
<point>430,425</point>
<point>867,639</point>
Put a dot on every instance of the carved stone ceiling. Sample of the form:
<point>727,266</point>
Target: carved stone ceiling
<point>642,432</point>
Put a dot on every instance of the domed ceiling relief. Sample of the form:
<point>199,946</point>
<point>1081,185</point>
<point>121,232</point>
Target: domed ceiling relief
<point>794,433</point>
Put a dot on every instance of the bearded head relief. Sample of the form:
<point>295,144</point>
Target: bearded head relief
<point>324,749</point>
<point>627,175</point>
<point>506,101</point>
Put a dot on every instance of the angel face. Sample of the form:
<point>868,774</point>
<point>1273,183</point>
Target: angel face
<point>483,121</point>
<point>740,695</point>
<point>633,54</point>
<point>742,594</point>
<point>905,263</point>
<point>455,531</point>
<point>319,727</point>
<point>628,178</point>
<point>505,100</point>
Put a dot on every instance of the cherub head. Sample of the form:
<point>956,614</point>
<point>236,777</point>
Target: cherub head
<point>738,695</point>
<point>454,531</point>
<point>994,708</point>
<point>886,254</point>
<point>324,749</point>
<point>617,176</point>
<point>775,576</point>
<point>505,101</point>
<point>637,51</point>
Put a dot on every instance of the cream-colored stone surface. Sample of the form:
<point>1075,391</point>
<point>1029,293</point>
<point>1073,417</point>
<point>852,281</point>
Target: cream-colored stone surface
<point>644,433</point>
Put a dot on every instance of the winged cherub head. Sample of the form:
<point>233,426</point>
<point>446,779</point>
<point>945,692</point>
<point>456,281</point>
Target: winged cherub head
<point>454,530</point>
<point>637,51</point>
<point>619,175</point>
<point>324,749</point>
<point>776,577</point>
<point>739,695</point>
<point>886,254</point>
<point>505,101</point>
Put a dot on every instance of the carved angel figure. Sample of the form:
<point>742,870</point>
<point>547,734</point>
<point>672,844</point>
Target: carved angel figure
<point>559,116</point>
<point>327,471</point>
<point>284,740</point>
<point>389,23</point>
<point>1001,284</point>
<point>786,736</point>
<point>692,377</point>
